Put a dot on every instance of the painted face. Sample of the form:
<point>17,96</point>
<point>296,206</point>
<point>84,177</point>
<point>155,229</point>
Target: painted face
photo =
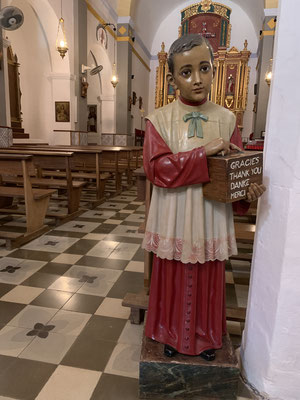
<point>193,73</point>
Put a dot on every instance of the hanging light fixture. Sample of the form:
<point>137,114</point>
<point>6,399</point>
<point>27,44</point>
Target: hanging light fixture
<point>114,78</point>
<point>61,41</point>
<point>269,72</point>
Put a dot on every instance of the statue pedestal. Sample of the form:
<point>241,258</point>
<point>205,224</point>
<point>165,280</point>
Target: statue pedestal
<point>187,377</point>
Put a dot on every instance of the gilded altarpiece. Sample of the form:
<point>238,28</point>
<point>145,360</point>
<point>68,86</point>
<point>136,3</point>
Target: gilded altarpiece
<point>230,86</point>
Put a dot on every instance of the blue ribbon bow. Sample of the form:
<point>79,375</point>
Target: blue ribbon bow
<point>195,125</point>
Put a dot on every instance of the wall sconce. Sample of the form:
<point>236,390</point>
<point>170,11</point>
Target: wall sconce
<point>269,73</point>
<point>61,41</point>
<point>268,76</point>
<point>114,79</point>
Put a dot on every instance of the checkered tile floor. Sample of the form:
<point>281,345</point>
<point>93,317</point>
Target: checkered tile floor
<point>63,331</point>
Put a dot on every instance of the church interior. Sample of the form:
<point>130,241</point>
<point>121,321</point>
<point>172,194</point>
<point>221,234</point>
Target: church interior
<point>77,81</point>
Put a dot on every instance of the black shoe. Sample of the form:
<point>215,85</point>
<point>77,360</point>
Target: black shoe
<point>208,355</point>
<point>169,351</point>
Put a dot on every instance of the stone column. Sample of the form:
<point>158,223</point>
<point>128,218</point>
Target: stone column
<point>124,71</point>
<point>4,84</point>
<point>271,347</point>
<point>80,57</point>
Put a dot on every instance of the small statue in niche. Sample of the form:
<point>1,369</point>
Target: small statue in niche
<point>229,100</point>
<point>230,86</point>
<point>84,87</point>
<point>129,103</point>
<point>140,102</point>
<point>92,119</point>
<point>133,98</point>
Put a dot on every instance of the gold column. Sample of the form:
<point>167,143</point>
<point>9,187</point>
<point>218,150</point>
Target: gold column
<point>161,95</point>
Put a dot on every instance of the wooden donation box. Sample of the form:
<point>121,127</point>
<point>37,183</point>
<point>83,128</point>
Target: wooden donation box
<point>231,175</point>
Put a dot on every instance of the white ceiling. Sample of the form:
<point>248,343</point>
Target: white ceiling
<point>149,14</point>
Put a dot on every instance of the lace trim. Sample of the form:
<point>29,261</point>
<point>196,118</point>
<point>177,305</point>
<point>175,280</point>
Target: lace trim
<point>180,250</point>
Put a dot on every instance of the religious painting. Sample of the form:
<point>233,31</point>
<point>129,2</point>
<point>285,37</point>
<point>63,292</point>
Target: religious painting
<point>92,118</point>
<point>62,111</point>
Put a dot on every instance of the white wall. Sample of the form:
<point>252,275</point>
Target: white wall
<point>45,77</point>
<point>30,45</point>
<point>242,28</point>
<point>140,83</point>
<point>271,345</point>
<point>105,57</point>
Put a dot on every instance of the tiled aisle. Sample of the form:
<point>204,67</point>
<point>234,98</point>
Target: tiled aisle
<point>64,333</point>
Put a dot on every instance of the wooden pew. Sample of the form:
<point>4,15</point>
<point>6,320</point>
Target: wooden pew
<point>43,159</point>
<point>36,200</point>
<point>120,159</point>
<point>114,159</point>
<point>85,165</point>
<point>100,166</point>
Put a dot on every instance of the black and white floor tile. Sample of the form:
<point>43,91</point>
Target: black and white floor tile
<point>64,334</point>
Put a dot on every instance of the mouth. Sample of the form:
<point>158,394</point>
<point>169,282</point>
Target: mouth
<point>198,90</point>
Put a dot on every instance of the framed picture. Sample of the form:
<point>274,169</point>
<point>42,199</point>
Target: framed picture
<point>62,111</point>
<point>92,118</point>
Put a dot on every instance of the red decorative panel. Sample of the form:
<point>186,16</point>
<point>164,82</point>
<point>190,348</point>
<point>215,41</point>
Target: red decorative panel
<point>210,26</point>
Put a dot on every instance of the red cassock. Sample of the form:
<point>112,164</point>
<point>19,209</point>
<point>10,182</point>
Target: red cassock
<point>187,307</point>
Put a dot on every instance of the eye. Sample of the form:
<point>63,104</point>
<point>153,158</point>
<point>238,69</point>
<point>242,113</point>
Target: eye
<point>185,73</point>
<point>205,68</point>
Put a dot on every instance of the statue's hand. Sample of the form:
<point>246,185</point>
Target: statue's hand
<point>254,192</point>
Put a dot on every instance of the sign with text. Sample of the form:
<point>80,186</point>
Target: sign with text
<point>231,175</point>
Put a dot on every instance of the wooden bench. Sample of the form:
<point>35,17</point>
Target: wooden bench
<point>244,232</point>
<point>44,159</point>
<point>114,159</point>
<point>36,200</point>
<point>111,161</point>
<point>138,303</point>
<point>128,159</point>
<point>85,164</point>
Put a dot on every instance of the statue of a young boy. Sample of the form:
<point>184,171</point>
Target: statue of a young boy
<point>190,236</point>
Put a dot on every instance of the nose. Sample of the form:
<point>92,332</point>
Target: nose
<point>197,77</point>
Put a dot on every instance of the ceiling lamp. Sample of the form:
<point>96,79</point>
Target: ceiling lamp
<point>61,41</point>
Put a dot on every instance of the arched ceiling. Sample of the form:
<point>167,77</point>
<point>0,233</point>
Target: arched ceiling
<point>149,14</point>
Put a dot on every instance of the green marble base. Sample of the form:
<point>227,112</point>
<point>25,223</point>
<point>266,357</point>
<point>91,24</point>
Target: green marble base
<point>187,377</point>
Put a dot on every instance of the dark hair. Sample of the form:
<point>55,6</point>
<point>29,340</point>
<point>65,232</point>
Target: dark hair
<point>186,43</point>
